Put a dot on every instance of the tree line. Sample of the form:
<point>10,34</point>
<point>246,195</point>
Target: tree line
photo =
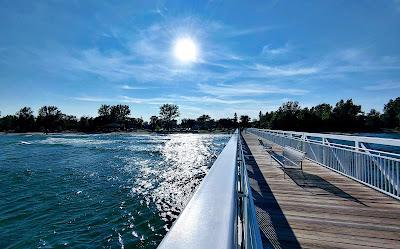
<point>110,118</point>
<point>345,116</point>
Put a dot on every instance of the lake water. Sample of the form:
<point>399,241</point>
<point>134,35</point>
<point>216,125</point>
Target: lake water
<point>98,191</point>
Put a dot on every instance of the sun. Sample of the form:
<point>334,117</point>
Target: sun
<point>185,50</point>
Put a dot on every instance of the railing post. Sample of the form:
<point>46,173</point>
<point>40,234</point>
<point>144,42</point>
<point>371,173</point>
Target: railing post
<point>323,151</point>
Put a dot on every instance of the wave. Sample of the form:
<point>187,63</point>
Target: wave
<point>24,143</point>
<point>74,141</point>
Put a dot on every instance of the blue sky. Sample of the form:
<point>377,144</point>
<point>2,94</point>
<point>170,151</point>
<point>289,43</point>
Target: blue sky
<point>253,55</point>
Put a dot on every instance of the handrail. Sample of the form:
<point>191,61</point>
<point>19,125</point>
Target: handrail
<point>251,230</point>
<point>379,170</point>
<point>362,149</point>
<point>221,213</point>
<point>362,139</point>
<point>210,218</point>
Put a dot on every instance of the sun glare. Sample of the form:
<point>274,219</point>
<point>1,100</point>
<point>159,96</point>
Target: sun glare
<point>185,50</point>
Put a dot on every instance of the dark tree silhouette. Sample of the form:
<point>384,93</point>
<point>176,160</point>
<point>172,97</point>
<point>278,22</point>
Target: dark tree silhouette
<point>244,121</point>
<point>188,123</point>
<point>323,117</point>
<point>286,117</point>
<point>226,123</point>
<point>119,112</point>
<point>25,120</point>
<point>8,123</point>
<point>346,115</point>
<point>235,120</point>
<point>50,118</point>
<point>104,111</point>
<point>204,122</point>
<point>69,122</point>
<point>391,113</point>
<point>373,120</point>
<point>168,112</point>
<point>154,122</point>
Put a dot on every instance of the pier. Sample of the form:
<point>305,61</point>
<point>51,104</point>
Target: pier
<point>346,194</point>
<point>318,208</point>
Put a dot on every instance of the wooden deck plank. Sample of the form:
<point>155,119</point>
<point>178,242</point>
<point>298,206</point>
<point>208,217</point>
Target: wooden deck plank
<point>317,209</point>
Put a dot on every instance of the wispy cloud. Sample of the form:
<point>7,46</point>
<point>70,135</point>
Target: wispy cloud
<point>94,99</point>
<point>248,89</point>
<point>268,50</point>
<point>248,31</point>
<point>218,100</point>
<point>129,87</point>
<point>290,70</point>
<point>204,100</point>
<point>390,85</point>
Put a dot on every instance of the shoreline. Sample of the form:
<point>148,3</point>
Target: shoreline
<point>141,131</point>
<point>118,132</point>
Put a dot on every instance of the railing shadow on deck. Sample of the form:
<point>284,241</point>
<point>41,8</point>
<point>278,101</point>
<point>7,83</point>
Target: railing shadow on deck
<point>310,182</point>
<point>275,229</point>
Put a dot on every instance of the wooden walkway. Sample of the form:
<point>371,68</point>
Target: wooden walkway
<point>320,209</point>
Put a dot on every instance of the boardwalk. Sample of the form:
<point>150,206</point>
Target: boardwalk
<point>317,209</point>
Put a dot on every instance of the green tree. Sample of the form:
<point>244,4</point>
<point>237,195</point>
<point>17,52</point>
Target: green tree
<point>265,121</point>
<point>50,118</point>
<point>8,123</point>
<point>168,112</point>
<point>286,117</point>
<point>119,113</point>
<point>235,120</point>
<point>391,113</point>
<point>104,111</point>
<point>373,120</point>
<point>307,120</point>
<point>347,116</point>
<point>154,122</point>
<point>323,117</point>
<point>188,123</point>
<point>226,123</point>
<point>69,122</point>
<point>135,123</point>
<point>86,124</point>
<point>244,121</point>
<point>203,121</point>
<point>25,120</point>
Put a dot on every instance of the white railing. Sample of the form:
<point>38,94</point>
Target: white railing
<point>220,213</point>
<point>353,156</point>
<point>251,237</point>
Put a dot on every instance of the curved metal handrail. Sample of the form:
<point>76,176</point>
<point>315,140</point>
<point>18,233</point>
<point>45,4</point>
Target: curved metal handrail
<point>221,213</point>
<point>210,218</point>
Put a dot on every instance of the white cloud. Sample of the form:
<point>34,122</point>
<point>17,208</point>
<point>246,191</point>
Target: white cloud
<point>129,87</point>
<point>241,32</point>
<point>247,89</point>
<point>267,50</point>
<point>286,70</point>
<point>93,99</point>
<point>390,85</point>
<point>172,99</point>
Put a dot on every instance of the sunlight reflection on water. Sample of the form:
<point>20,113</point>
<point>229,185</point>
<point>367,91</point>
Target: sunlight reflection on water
<point>101,190</point>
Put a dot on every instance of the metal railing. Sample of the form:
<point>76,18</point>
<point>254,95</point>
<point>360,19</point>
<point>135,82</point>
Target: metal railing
<point>250,229</point>
<point>221,213</point>
<point>352,156</point>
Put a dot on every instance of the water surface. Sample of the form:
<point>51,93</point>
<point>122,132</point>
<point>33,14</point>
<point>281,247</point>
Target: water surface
<point>98,191</point>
